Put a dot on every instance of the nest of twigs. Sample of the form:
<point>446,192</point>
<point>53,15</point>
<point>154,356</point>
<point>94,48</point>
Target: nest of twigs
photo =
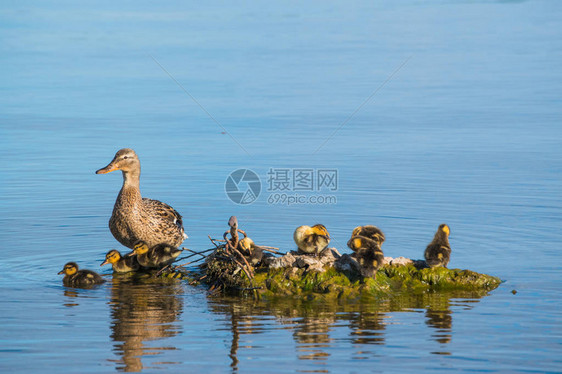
<point>236,265</point>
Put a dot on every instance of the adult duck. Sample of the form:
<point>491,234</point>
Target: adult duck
<point>136,218</point>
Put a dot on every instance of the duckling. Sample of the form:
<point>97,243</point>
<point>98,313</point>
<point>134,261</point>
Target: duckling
<point>369,231</point>
<point>156,257</point>
<point>438,252</point>
<point>368,253</point>
<point>245,246</point>
<point>135,217</point>
<point>251,251</point>
<point>79,278</point>
<point>119,263</point>
<point>311,240</point>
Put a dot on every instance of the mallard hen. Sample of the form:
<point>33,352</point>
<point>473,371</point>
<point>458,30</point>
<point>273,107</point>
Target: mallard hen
<point>136,218</point>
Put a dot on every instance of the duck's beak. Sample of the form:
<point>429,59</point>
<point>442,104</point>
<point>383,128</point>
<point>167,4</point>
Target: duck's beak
<point>105,262</point>
<point>130,254</point>
<point>108,169</point>
<point>61,272</point>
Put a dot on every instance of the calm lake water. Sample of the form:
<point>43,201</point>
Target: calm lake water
<point>463,126</point>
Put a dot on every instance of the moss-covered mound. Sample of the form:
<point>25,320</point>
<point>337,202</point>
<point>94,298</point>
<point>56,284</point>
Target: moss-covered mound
<point>332,283</point>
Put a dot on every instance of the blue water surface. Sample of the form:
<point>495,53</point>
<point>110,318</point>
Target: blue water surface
<point>429,112</point>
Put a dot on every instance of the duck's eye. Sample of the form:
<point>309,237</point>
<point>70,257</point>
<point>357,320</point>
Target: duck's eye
<point>125,157</point>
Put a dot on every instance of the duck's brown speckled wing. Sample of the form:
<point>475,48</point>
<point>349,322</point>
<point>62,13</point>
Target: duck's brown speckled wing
<point>164,213</point>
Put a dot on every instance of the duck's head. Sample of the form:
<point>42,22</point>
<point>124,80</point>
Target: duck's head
<point>321,230</point>
<point>140,248</point>
<point>369,231</point>
<point>125,160</point>
<point>69,269</point>
<point>444,228</point>
<point>111,257</point>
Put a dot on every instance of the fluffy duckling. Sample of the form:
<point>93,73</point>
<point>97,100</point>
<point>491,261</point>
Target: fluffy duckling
<point>119,263</point>
<point>438,252</point>
<point>245,246</point>
<point>369,231</point>
<point>250,250</point>
<point>368,253</point>
<point>79,278</point>
<point>311,240</point>
<point>156,257</point>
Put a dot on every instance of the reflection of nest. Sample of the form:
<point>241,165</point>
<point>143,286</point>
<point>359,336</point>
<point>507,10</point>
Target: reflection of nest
<point>315,331</point>
<point>312,322</point>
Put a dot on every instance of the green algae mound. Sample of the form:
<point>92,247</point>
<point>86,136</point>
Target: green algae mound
<point>331,283</point>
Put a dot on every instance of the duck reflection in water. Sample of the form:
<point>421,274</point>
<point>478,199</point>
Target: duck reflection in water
<point>142,310</point>
<point>243,319</point>
<point>439,315</point>
<point>367,326</point>
<point>311,325</point>
<point>312,334</point>
<point>71,294</point>
<point>369,322</point>
<point>442,321</point>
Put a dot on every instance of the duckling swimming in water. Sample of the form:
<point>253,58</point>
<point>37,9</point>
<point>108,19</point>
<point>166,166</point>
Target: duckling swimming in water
<point>311,240</point>
<point>119,263</point>
<point>79,278</point>
<point>135,217</point>
<point>369,231</point>
<point>156,257</point>
<point>368,253</point>
<point>250,250</point>
<point>438,252</point>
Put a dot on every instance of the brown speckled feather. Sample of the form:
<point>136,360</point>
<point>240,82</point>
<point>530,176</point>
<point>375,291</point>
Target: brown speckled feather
<point>144,219</point>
